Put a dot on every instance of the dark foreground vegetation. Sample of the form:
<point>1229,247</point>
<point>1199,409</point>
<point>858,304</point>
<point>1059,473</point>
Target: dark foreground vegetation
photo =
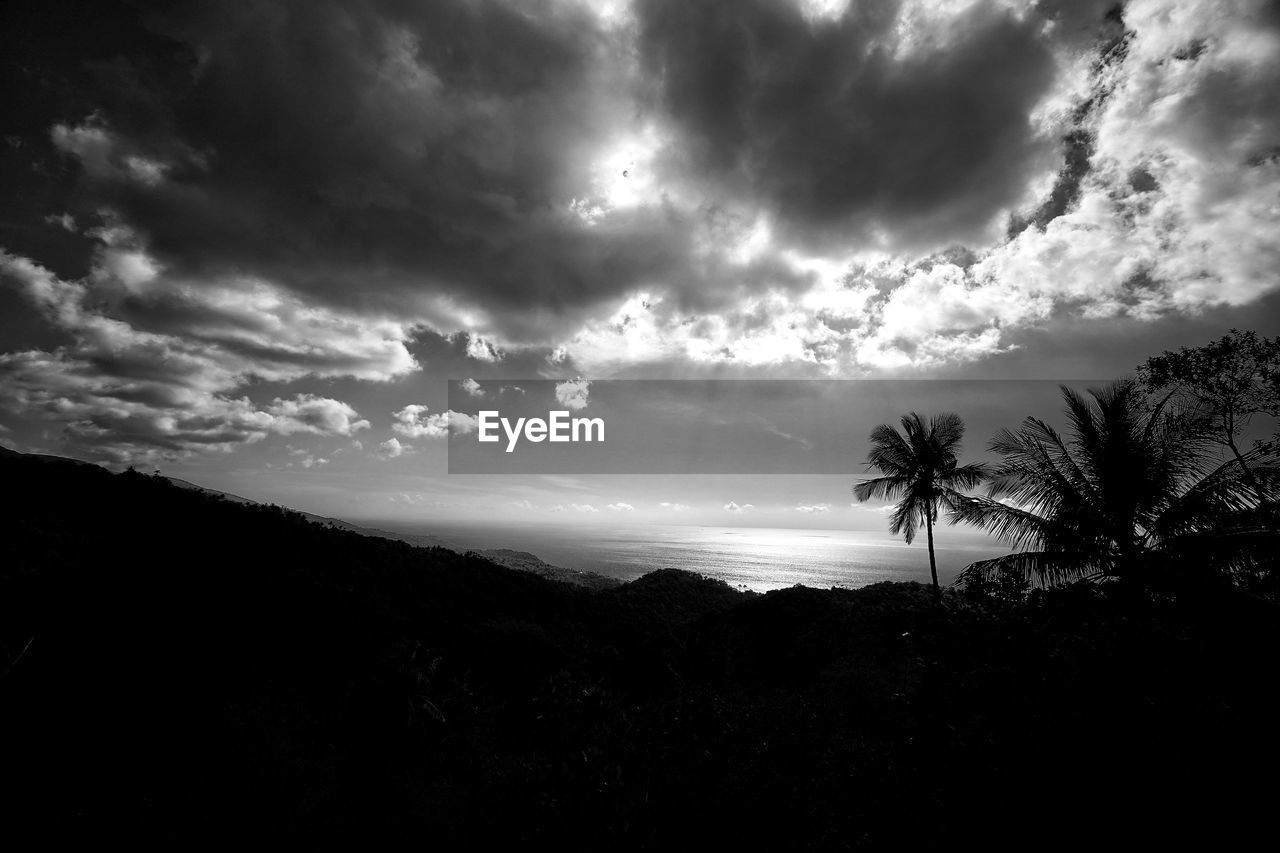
<point>186,671</point>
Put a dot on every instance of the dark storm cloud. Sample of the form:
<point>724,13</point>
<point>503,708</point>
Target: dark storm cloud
<point>823,121</point>
<point>420,159</point>
<point>1079,143</point>
<point>204,197</point>
<point>369,152</point>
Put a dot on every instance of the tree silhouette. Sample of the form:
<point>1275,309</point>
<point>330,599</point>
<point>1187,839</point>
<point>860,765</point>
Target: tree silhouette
<point>1131,490</point>
<point>919,468</point>
<point>1222,384</point>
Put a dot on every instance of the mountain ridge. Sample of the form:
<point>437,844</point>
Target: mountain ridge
<point>517,560</point>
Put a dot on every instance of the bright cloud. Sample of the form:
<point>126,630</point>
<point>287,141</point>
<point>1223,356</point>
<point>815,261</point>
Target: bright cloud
<point>307,413</point>
<point>393,449</point>
<point>164,381</point>
<point>460,423</point>
<point>482,350</point>
<point>415,421</point>
<point>573,394</point>
<point>657,215</point>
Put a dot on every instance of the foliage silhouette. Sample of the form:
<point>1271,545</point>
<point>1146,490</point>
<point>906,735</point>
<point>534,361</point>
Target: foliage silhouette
<point>1222,385</point>
<point>919,468</point>
<point>185,672</point>
<point>1131,491</point>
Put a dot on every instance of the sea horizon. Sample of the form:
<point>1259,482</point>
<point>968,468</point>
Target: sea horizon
<point>755,558</point>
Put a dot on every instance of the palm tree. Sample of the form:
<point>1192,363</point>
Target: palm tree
<point>919,468</point>
<point>1132,488</point>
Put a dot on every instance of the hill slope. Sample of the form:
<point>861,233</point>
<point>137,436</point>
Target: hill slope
<point>525,562</point>
<point>520,560</point>
<point>184,670</point>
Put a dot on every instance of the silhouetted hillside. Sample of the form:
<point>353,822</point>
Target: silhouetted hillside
<point>526,562</point>
<point>188,671</point>
<point>425,541</point>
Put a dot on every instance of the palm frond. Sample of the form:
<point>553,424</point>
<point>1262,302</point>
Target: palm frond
<point>946,430</point>
<point>1018,528</point>
<point>890,453</point>
<point>1130,487</point>
<point>888,488</point>
<point>904,520</point>
<point>965,476</point>
<point>1044,567</point>
<point>918,466</point>
<point>1225,493</point>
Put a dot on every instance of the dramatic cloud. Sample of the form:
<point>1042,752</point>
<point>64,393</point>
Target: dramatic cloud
<point>158,378</point>
<point>1164,202</point>
<point>240,327</point>
<point>148,417</point>
<point>481,350</point>
<point>472,387</point>
<point>1178,210</point>
<point>224,213</point>
<point>413,421</point>
<point>857,124</point>
<point>449,140</point>
<point>317,415</point>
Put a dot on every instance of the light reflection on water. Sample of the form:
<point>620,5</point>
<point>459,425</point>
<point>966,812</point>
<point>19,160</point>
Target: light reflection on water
<point>757,558</point>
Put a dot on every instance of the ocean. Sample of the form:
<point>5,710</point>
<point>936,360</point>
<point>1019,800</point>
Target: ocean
<point>759,559</point>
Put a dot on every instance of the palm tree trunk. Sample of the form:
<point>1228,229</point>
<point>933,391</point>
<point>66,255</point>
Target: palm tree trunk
<point>933,563</point>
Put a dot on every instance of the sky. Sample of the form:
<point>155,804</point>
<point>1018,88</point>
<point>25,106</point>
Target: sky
<point>251,243</point>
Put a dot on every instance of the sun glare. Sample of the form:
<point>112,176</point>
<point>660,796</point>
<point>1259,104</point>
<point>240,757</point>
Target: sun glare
<point>621,176</point>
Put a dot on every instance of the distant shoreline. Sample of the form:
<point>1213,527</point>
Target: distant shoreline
<point>755,558</point>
